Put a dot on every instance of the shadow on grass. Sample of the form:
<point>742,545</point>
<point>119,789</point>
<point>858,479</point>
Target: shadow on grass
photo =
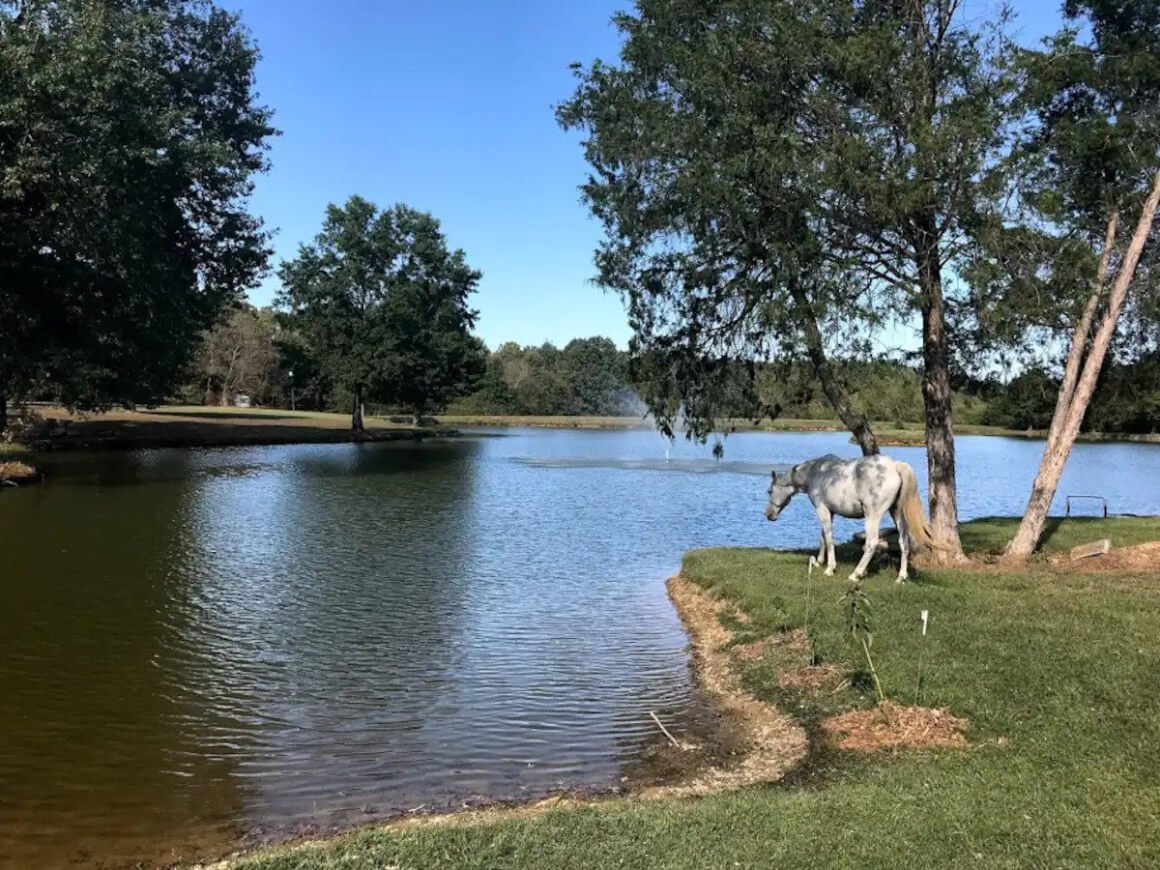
<point>226,415</point>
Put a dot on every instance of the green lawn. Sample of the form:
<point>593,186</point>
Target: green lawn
<point>1058,673</point>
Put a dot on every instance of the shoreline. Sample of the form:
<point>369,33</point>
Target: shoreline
<point>182,426</point>
<point>113,443</point>
<point>57,430</point>
<point>887,436</point>
<point>767,744</point>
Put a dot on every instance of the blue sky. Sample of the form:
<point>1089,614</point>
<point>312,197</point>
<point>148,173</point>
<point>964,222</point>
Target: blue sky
<point>446,105</point>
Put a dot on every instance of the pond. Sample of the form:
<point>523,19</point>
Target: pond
<point>203,647</point>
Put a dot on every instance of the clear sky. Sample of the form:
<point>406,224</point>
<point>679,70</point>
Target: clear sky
<point>446,105</point>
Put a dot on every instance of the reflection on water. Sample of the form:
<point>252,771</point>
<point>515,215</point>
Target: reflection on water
<point>205,646</point>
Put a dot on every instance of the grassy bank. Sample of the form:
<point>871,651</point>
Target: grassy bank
<point>1055,669</point>
<point>202,426</point>
<point>196,426</point>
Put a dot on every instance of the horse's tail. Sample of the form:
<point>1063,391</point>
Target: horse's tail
<point>914,521</point>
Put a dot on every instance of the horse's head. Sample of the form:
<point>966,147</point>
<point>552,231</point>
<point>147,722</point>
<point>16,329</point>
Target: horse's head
<point>781,490</point>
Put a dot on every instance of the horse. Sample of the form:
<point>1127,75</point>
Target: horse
<point>865,487</point>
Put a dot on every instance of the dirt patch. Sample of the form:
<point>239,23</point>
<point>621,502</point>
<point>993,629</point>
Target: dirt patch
<point>769,742</point>
<point>17,473</point>
<point>890,725</point>
<point>796,639</point>
<point>811,679</point>
<point>755,651</point>
<point>1141,557</point>
<point>750,652</point>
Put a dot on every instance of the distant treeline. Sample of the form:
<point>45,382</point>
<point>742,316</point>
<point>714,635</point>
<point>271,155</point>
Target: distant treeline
<point>257,353</point>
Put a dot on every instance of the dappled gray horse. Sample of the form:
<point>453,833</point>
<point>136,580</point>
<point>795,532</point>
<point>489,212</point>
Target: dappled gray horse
<point>865,487</point>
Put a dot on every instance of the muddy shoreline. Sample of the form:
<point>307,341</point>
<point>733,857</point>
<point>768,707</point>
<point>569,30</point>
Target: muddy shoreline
<point>735,741</point>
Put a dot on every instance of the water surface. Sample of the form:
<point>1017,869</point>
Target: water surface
<point>205,646</point>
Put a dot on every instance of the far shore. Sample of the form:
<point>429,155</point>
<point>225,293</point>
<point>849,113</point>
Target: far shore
<point>907,435</point>
<point>210,426</point>
<point>206,426</point>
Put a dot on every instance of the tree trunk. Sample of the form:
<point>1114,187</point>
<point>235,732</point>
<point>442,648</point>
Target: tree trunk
<point>1055,453</point>
<point>852,418</point>
<point>417,418</point>
<point>356,414</point>
<point>1027,535</point>
<point>936,397</point>
<point>3,413</point>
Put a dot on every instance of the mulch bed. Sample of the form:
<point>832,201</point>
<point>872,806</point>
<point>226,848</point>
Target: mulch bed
<point>891,724</point>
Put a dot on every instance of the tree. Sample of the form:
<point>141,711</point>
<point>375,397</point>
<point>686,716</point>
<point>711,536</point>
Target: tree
<point>774,176</point>
<point>914,116</point>
<point>432,356</point>
<point>596,375</point>
<point>129,136</point>
<point>383,303</point>
<point>1096,101</point>
<point>239,356</point>
<point>1026,403</point>
<point>704,186</point>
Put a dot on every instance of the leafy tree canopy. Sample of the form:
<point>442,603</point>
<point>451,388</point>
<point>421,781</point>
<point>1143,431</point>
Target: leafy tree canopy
<point>129,136</point>
<point>383,303</point>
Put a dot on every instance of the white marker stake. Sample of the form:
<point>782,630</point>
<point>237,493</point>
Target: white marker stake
<point>921,651</point>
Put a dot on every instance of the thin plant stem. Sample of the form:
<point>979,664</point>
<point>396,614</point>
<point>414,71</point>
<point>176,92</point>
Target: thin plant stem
<point>809,587</point>
<point>873,671</point>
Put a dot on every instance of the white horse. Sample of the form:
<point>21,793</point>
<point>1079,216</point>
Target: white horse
<point>865,487</point>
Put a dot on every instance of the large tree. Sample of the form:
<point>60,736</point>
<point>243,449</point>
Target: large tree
<point>1094,179</point>
<point>775,176</point>
<point>705,189</point>
<point>129,135</point>
<point>239,355</point>
<point>913,118</point>
<point>383,304</point>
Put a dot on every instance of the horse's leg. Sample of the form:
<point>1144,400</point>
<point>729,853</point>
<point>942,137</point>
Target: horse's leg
<point>873,518</point>
<point>822,547</point>
<point>827,521</point>
<point>903,544</point>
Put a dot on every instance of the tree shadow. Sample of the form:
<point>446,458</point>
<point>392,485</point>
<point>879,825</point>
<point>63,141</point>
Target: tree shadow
<point>224,415</point>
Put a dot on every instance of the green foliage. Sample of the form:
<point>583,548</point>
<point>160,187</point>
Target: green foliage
<point>588,377</point>
<point>1127,399</point>
<point>704,186</point>
<point>1090,104</point>
<point>129,136</point>
<point>766,173</point>
<point>1028,402</point>
<point>238,356</point>
<point>856,604</point>
<point>383,303</point>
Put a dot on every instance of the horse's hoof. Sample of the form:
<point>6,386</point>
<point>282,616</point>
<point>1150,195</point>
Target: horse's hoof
<point>829,572</point>
<point>855,577</point>
<point>902,578</point>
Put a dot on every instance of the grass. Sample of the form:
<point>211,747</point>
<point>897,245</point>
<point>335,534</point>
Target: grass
<point>1056,672</point>
<point>203,426</point>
